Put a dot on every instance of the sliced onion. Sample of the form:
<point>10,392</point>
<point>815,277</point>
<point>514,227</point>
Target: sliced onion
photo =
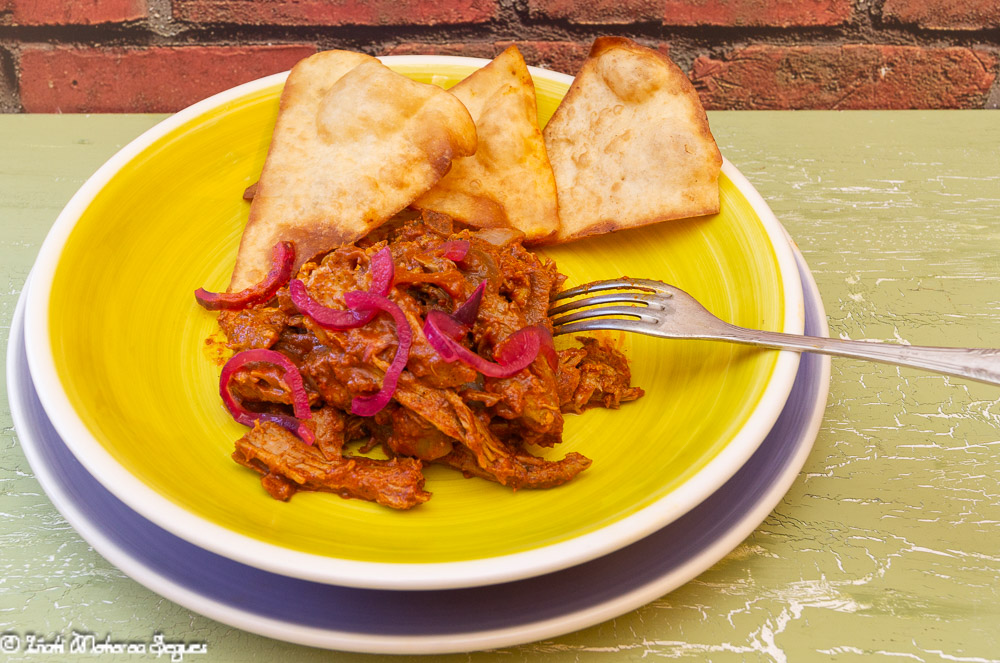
<point>467,312</point>
<point>282,259</point>
<point>325,317</point>
<point>526,340</point>
<point>547,347</point>
<point>514,354</point>
<point>367,406</point>
<point>459,323</point>
<point>382,270</point>
<point>455,249</point>
<point>499,236</point>
<point>292,378</point>
<point>439,328</point>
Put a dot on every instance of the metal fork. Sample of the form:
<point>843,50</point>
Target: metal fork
<point>658,309</point>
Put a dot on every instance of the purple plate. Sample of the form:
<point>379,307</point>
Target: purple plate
<point>425,622</point>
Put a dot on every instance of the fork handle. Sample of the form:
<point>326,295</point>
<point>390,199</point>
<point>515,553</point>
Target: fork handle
<point>980,364</point>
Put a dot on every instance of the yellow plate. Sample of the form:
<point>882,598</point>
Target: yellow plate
<point>117,347</point>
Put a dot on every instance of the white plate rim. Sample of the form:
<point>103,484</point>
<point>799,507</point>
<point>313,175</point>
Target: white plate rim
<point>381,575</point>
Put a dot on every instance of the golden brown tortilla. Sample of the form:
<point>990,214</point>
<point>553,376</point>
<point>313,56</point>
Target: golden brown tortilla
<point>354,143</point>
<point>630,144</point>
<point>508,181</point>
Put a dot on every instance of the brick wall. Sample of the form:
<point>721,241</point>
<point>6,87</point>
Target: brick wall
<point>161,55</point>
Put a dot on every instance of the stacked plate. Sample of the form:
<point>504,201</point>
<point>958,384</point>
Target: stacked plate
<point>113,373</point>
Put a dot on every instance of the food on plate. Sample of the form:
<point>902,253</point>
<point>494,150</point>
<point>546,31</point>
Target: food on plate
<point>508,181</point>
<point>282,259</point>
<point>381,299</point>
<point>630,144</point>
<point>432,346</point>
<point>354,143</point>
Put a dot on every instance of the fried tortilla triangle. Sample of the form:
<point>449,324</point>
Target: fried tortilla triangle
<point>508,182</point>
<point>630,144</point>
<point>354,143</point>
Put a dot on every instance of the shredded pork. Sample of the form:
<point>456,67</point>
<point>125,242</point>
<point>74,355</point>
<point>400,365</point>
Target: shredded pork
<point>441,412</point>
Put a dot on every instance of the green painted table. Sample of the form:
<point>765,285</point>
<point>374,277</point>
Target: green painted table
<point>888,544</point>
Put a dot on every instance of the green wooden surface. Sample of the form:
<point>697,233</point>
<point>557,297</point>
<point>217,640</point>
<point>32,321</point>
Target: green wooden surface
<point>887,547</point>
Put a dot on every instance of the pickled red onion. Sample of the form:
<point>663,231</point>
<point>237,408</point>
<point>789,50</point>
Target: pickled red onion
<point>524,340</point>
<point>455,249</point>
<point>514,353</point>
<point>382,270</point>
<point>282,259</point>
<point>367,406</point>
<point>325,317</point>
<point>547,347</point>
<point>459,323</point>
<point>467,312</point>
<point>293,380</point>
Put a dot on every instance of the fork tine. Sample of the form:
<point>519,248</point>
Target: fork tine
<point>655,286</point>
<point>639,312</point>
<point>612,324</point>
<point>610,298</point>
<point>645,285</point>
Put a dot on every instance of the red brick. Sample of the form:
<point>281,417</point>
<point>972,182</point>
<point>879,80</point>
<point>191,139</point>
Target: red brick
<point>336,12</point>
<point>77,12</point>
<point>944,14</point>
<point>846,77</point>
<point>781,13</point>
<point>146,80</point>
<point>772,13</point>
<point>598,11</point>
<point>479,49</point>
<point>561,56</point>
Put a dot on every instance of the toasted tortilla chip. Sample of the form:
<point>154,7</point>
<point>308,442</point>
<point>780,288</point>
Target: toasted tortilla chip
<point>630,144</point>
<point>508,182</point>
<point>354,143</point>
